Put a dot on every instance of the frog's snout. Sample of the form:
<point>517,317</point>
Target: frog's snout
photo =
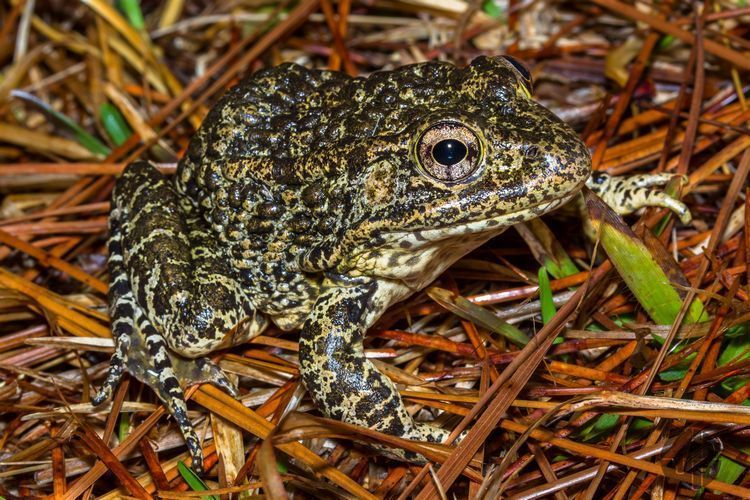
<point>556,167</point>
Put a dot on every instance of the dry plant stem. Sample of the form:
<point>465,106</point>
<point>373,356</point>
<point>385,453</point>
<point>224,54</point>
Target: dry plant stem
<point>101,450</point>
<point>583,476</point>
<point>546,468</point>
<point>99,469</point>
<point>674,117</point>
<point>706,342</point>
<point>659,24</point>
<point>210,397</point>
<point>70,319</point>
<point>338,38</point>
<point>696,101</point>
<point>546,436</point>
<point>610,129</point>
<point>48,260</point>
<point>504,390</point>
<point>345,6</point>
<point>295,18</point>
<point>154,466</point>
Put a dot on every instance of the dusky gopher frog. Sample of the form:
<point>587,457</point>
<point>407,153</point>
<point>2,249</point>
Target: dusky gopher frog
<point>314,200</point>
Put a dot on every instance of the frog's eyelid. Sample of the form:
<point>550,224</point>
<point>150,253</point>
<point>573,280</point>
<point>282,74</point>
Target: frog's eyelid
<point>522,71</point>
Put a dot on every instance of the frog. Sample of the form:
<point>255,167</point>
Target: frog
<point>314,201</point>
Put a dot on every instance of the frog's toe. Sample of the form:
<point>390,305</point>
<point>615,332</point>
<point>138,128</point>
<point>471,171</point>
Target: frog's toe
<point>661,199</point>
<point>170,392</point>
<point>116,370</point>
<point>165,381</point>
<point>641,197</point>
<point>110,384</point>
<point>203,370</point>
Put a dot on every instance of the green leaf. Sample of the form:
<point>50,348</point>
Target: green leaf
<point>193,481</point>
<point>477,314</point>
<point>736,348</point>
<point>86,140</point>
<point>123,427</point>
<point>678,371</point>
<point>547,249</point>
<point>545,296</point>
<point>733,384</point>
<point>132,10</point>
<point>641,424</point>
<point>665,42</point>
<point>644,264</point>
<point>729,470</point>
<point>604,424</point>
<point>493,9</point>
<point>114,123</point>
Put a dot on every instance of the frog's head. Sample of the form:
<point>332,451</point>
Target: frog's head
<point>474,155</point>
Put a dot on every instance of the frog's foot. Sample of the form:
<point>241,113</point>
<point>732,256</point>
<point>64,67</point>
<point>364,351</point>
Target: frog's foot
<point>626,194</point>
<point>142,352</point>
<point>139,346</point>
<point>202,371</point>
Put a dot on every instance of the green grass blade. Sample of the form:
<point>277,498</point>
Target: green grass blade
<point>193,481</point>
<point>114,123</point>
<point>85,139</point>
<point>545,296</point>
<point>546,248</point>
<point>132,11</point>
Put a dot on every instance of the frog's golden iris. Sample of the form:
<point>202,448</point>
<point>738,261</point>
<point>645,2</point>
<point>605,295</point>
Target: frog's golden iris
<point>449,151</point>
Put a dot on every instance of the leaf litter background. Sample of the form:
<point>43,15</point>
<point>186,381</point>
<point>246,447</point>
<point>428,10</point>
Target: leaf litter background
<point>635,380</point>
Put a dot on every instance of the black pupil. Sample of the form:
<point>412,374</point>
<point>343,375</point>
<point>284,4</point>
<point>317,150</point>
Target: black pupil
<point>449,152</point>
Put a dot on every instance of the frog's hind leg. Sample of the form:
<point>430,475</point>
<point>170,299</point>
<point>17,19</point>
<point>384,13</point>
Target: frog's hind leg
<point>155,306</point>
<point>122,310</point>
<point>142,351</point>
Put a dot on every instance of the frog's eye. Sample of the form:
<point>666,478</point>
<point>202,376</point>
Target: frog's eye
<point>449,151</point>
<point>523,72</point>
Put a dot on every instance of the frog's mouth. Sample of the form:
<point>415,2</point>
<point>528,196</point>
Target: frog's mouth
<point>492,225</point>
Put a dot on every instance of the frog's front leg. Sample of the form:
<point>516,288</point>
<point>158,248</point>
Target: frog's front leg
<point>173,296</point>
<point>627,193</point>
<point>344,384</point>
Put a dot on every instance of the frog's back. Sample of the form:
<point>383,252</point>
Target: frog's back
<point>290,112</point>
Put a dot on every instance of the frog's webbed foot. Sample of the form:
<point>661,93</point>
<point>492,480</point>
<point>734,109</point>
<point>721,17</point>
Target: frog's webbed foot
<point>626,194</point>
<point>343,382</point>
<point>143,352</point>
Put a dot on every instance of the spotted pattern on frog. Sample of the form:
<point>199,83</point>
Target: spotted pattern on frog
<point>316,201</point>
